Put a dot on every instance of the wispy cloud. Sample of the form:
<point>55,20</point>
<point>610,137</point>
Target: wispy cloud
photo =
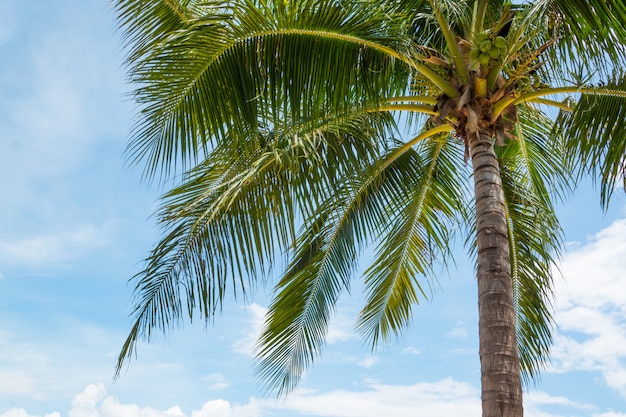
<point>54,248</point>
<point>20,412</point>
<point>443,398</point>
<point>410,350</point>
<point>215,382</point>
<point>459,331</point>
<point>18,362</point>
<point>365,361</point>
<point>55,361</point>
<point>534,399</point>
<point>341,328</point>
<point>245,345</point>
<point>68,67</point>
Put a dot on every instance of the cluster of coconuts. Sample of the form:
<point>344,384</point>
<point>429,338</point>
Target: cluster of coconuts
<point>487,49</point>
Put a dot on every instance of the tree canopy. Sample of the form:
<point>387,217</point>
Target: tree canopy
<point>298,133</point>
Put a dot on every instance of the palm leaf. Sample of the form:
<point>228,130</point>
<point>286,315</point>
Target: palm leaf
<point>596,132</point>
<point>591,35</point>
<point>235,64</point>
<point>228,221</point>
<point>415,236</point>
<point>326,255</point>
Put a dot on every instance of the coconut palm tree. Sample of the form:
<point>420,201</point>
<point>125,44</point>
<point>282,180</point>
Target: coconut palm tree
<point>300,132</point>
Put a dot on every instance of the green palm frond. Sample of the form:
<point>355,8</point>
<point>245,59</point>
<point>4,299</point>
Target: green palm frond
<point>325,258</point>
<point>239,60</point>
<point>230,218</point>
<point>591,35</point>
<point>200,253</point>
<point>596,132</point>
<point>446,13</point>
<point>297,319</point>
<point>425,17</point>
<point>416,236</point>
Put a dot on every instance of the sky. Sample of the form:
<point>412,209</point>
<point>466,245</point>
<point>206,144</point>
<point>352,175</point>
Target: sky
<point>76,222</point>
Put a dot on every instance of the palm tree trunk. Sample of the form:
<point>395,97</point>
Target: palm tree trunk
<point>499,359</point>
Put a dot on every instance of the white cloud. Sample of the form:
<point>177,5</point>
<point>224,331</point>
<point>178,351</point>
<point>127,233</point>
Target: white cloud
<point>54,247</point>
<point>20,412</point>
<point>222,408</point>
<point>446,397</point>
<point>245,345</point>
<point>216,382</point>
<point>443,398</point>
<point>94,401</point>
<point>591,308</point>
<point>593,271</point>
<point>410,350</point>
<point>85,404</point>
<point>368,361</point>
<point>458,331</point>
<point>216,408</point>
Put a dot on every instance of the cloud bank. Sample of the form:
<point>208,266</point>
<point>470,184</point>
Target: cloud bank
<point>591,308</point>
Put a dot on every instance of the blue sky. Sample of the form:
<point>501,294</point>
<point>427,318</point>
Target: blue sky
<point>75,224</point>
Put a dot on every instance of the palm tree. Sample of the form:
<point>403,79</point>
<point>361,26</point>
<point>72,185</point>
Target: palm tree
<point>280,123</point>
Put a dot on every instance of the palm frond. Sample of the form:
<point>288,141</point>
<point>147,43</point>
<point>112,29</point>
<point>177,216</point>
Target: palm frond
<point>297,320</point>
<point>231,218</point>
<point>201,251</point>
<point>234,62</point>
<point>591,35</point>
<point>324,261</point>
<point>416,236</point>
<point>596,132</point>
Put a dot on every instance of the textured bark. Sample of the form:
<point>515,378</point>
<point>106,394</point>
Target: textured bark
<point>499,359</point>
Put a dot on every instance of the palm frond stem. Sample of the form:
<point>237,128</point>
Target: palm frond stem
<point>553,103</point>
<point>412,99</point>
<point>450,37</point>
<point>478,19</point>
<point>415,108</point>
<point>499,107</point>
